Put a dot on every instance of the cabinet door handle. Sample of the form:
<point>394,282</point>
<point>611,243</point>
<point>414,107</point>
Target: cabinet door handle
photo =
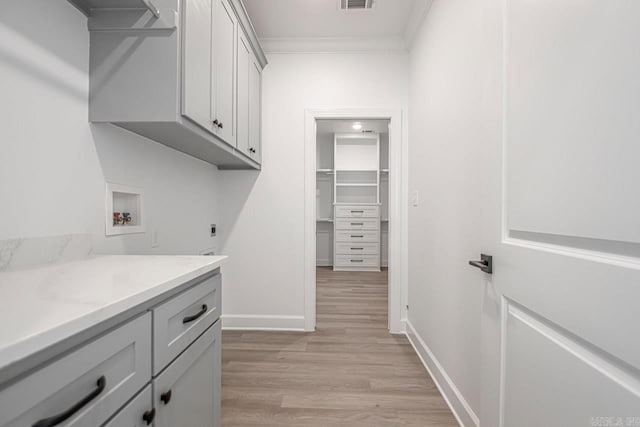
<point>62,417</point>
<point>149,416</point>
<point>166,397</point>
<point>197,315</point>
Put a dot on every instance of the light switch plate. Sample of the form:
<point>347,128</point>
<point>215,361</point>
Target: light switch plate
<point>415,198</point>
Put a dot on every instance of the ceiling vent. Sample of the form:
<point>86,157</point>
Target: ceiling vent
<point>356,4</point>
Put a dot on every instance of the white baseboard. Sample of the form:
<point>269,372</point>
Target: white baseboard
<point>457,403</point>
<point>262,323</point>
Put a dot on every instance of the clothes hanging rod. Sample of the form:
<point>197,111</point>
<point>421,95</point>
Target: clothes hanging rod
<point>152,8</point>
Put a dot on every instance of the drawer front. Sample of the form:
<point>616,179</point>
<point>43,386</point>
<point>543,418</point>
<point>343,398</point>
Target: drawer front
<point>357,224</point>
<point>356,236</point>
<point>182,319</point>
<point>357,261</point>
<point>357,211</point>
<point>187,393</point>
<point>136,412</point>
<point>357,248</point>
<point>102,375</point>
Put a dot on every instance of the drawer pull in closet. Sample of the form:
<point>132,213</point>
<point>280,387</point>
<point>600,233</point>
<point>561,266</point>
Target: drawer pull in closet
<point>60,418</point>
<point>357,223</point>
<point>357,211</point>
<point>357,235</point>
<point>189,319</point>
<point>357,249</point>
<point>149,416</point>
<point>166,397</point>
<point>357,260</point>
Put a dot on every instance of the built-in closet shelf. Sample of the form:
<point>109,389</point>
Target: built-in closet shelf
<point>327,171</point>
<point>86,6</point>
<point>384,220</point>
<point>357,204</point>
<point>384,171</point>
<point>355,185</point>
<point>324,220</point>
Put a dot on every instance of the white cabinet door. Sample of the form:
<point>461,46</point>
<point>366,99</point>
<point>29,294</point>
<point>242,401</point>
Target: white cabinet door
<point>138,413</point>
<point>187,393</point>
<point>255,110</point>
<point>560,312</point>
<point>244,62</point>
<point>196,62</point>
<point>224,58</point>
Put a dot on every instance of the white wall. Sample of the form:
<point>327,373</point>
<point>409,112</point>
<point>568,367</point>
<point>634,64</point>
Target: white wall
<point>451,62</point>
<point>54,164</point>
<point>263,220</point>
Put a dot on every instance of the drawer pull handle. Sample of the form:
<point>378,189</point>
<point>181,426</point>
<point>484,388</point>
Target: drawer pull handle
<point>189,319</point>
<point>357,235</point>
<point>357,211</point>
<point>149,416</point>
<point>357,249</point>
<point>62,417</point>
<point>166,397</point>
<point>357,260</point>
<point>357,223</point>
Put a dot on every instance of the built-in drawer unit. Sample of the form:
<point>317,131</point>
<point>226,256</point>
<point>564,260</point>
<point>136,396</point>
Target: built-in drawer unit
<point>357,211</point>
<point>138,413</point>
<point>357,236</point>
<point>357,224</point>
<point>182,393</point>
<point>357,248</point>
<point>358,261</point>
<point>87,386</point>
<point>182,319</point>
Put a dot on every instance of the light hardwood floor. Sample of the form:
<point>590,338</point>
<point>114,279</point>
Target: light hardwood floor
<point>349,372</point>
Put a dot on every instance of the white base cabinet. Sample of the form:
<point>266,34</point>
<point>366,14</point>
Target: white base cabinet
<point>114,379</point>
<point>187,392</point>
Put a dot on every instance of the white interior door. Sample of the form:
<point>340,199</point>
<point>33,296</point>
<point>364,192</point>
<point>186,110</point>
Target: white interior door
<point>560,314</point>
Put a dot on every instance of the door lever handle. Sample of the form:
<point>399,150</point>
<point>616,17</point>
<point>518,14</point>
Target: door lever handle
<point>485,264</point>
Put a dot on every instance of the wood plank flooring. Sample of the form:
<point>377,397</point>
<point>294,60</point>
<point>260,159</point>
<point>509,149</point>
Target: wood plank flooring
<point>349,372</point>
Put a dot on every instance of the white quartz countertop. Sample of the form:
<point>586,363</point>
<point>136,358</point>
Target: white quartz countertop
<point>44,305</point>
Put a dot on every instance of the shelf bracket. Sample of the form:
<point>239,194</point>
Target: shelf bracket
<point>152,8</point>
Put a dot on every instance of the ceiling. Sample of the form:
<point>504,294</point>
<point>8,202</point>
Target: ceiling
<point>312,19</point>
<point>346,126</point>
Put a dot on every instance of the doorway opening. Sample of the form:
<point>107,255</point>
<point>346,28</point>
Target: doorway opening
<point>353,228</point>
<point>352,219</point>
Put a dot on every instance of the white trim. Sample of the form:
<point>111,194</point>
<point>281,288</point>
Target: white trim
<point>398,201</point>
<point>418,15</point>
<point>451,394</point>
<point>332,44</point>
<point>250,322</point>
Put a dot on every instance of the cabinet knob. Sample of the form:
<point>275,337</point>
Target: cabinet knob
<point>149,416</point>
<point>216,123</point>
<point>220,125</point>
<point>166,397</point>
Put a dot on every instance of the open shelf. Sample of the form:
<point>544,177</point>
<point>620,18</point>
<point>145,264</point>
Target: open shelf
<point>324,219</point>
<point>355,184</point>
<point>327,171</point>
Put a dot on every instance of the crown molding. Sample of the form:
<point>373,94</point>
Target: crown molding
<point>333,44</point>
<point>420,11</point>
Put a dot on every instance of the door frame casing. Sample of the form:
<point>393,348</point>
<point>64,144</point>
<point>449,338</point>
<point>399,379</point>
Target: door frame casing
<point>398,212</point>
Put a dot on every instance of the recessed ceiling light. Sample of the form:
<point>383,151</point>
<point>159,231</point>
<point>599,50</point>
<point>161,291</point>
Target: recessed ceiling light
<point>357,126</point>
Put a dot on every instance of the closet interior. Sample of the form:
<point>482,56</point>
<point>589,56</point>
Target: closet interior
<point>352,194</point>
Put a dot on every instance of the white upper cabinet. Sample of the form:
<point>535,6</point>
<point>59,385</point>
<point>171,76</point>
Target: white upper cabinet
<point>223,73</point>
<point>196,62</point>
<point>176,78</point>
<point>255,110</point>
<point>244,62</point>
